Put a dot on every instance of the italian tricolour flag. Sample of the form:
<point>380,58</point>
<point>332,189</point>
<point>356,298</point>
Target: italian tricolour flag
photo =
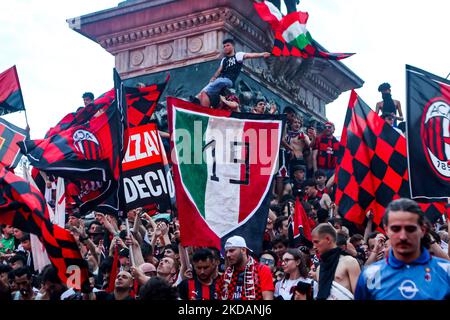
<point>290,33</point>
<point>223,165</point>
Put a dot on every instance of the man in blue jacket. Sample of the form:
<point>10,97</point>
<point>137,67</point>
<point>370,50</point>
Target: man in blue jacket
<point>408,272</point>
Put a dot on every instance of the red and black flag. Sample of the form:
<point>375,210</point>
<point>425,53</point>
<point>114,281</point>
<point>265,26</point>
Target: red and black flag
<point>83,114</point>
<point>23,206</point>
<point>373,169</point>
<point>434,209</point>
<point>142,102</point>
<point>428,129</point>
<point>88,153</point>
<point>291,36</point>
<point>299,228</point>
<point>9,150</point>
<point>11,99</point>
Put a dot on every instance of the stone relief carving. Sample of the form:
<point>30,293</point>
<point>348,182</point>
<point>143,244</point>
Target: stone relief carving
<point>165,51</point>
<point>136,58</point>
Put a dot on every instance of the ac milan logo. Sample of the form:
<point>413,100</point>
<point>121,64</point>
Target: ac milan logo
<point>435,132</point>
<point>86,143</point>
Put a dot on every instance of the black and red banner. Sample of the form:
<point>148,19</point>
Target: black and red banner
<point>428,130</point>
<point>9,150</point>
<point>86,150</point>
<point>146,178</point>
<point>11,99</point>
<point>373,169</point>
<point>23,206</point>
<point>142,102</point>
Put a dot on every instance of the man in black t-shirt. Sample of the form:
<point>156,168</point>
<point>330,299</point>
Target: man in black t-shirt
<point>228,71</point>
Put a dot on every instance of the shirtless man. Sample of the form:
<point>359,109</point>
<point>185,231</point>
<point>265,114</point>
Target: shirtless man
<point>389,105</point>
<point>297,141</point>
<point>337,274</point>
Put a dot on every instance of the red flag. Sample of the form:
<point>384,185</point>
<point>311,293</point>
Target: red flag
<point>373,169</point>
<point>114,271</point>
<point>301,229</point>
<point>23,206</point>
<point>10,93</point>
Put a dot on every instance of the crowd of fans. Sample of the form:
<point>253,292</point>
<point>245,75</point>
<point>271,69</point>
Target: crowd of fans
<point>140,256</point>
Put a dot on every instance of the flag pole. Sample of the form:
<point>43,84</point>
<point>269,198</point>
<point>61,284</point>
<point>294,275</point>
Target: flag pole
<point>131,246</point>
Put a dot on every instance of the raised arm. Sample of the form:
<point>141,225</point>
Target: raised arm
<point>254,55</point>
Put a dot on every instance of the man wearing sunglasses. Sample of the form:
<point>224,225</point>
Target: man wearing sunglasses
<point>408,272</point>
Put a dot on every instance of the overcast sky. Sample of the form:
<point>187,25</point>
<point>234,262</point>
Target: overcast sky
<point>56,65</point>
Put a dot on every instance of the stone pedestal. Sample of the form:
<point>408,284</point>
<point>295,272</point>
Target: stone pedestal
<point>151,37</point>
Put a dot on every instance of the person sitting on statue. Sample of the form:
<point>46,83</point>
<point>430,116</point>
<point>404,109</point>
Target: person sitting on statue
<point>228,71</point>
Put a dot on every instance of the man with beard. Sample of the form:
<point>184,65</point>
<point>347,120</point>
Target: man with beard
<point>389,105</point>
<point>325,151</point>
<point>122,289</point>
<point>244,278</point>
<point>408,272</point>
<point>337,273</point>
<point>203,284</point>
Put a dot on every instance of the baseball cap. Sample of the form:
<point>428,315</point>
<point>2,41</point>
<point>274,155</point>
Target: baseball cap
<point>236,242</point>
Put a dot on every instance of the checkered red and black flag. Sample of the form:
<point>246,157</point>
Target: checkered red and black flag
<point>282,48</point>
<point>434,210</point>
<point>88,153</point>
<point>23,206</point>
<point>373,169</point>
<point>142,102</point>
<point>9,150</point>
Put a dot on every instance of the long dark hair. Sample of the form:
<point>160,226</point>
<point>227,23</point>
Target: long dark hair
<point>299,256</point>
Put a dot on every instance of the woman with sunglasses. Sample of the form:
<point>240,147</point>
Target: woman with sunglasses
<point>295,270</point>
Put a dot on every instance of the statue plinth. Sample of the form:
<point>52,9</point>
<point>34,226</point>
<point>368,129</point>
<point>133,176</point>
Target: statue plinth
<point>150,37</point>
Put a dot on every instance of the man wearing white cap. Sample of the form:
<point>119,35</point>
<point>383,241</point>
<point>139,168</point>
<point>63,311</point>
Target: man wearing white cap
<point>244,278</point>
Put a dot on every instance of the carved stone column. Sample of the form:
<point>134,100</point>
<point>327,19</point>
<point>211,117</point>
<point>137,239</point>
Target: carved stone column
<point>151,37</point>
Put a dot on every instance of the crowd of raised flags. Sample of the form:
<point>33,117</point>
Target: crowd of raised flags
<point>150,211</point>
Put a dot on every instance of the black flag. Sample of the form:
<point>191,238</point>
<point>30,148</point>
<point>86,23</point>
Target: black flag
<point>428,129</point>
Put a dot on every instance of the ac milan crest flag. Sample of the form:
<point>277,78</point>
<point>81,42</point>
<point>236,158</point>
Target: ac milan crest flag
<point>428,129</point>
<point>87,152</point>
<point>290,34</point>
<point>24,207</point>
<point>373,169</point>
<point>9,150</point>
<point>223,164</point>
<point>11,99</point>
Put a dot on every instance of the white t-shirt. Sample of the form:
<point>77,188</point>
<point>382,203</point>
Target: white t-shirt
<point>283,287</point>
